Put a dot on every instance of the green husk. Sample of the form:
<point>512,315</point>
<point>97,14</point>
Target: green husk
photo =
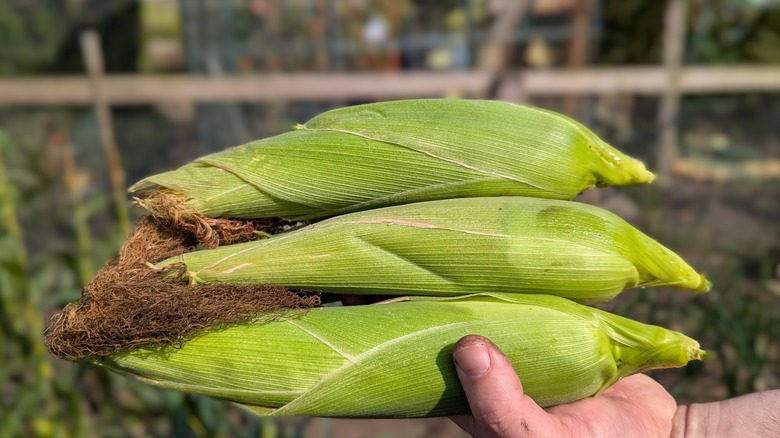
<point>452,247</point>
<point>394,360</point>
<point>392,153</point>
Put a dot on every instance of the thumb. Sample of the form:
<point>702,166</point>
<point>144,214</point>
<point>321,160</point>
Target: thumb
<point>499,407</point>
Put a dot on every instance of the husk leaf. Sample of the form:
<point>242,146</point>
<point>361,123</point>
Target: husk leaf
<point>398,152</point>
<point>394,360</point>
<point>457,246</point>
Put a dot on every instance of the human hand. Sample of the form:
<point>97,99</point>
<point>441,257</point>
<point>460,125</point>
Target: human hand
<point>636,406</point>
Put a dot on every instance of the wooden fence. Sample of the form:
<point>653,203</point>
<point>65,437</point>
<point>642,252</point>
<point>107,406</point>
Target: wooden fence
<point>669,81</point>
<point>145,90</point>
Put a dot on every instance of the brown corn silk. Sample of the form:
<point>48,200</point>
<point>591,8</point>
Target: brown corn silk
<point>210,232</point>
<point>128,305</point>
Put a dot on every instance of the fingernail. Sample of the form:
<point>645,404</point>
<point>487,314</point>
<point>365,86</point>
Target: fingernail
<point>473,360</point>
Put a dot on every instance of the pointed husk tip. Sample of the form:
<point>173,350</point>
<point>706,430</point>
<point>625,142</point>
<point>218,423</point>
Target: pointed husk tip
<point>622,169</point>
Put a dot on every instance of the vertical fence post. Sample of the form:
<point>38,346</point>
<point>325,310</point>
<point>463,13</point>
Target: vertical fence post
<point>93,58</point>
<point>493,55</point>
<point>668,110</point>
<point>577,50</point>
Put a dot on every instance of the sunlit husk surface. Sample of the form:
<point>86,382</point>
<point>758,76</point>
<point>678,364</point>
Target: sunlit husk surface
<point>394,360</point>
<point>457,246</point>
<point>391,153</point>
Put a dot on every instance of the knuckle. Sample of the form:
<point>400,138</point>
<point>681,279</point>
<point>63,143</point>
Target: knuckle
<point>498,419</point>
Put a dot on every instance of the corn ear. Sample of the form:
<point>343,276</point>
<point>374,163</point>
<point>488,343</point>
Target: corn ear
<point>456,246</point>
<point>399,152</point>
<point>541,148</point>
<point>394,360</point>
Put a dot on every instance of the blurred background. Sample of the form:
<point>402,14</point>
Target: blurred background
<point>95,95</point>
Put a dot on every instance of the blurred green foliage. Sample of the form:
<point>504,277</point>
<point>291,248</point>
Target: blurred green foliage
<point>47,207</point>
<point>719,32</point>
<point>42,36</point>
<point>29,37</point>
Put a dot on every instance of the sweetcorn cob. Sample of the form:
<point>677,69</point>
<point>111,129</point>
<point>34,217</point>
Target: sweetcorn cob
<point>392,153</point>
<point>456,246</point>
<point>394,360</point>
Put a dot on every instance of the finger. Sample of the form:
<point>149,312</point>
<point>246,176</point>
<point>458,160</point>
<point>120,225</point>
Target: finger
<point>498,405</point>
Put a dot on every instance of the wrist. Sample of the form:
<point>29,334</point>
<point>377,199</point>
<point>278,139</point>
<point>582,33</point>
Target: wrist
<point>696,420</point>
<point>751,415</point>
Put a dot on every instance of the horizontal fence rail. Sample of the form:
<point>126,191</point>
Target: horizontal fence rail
<point>147,89</point>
